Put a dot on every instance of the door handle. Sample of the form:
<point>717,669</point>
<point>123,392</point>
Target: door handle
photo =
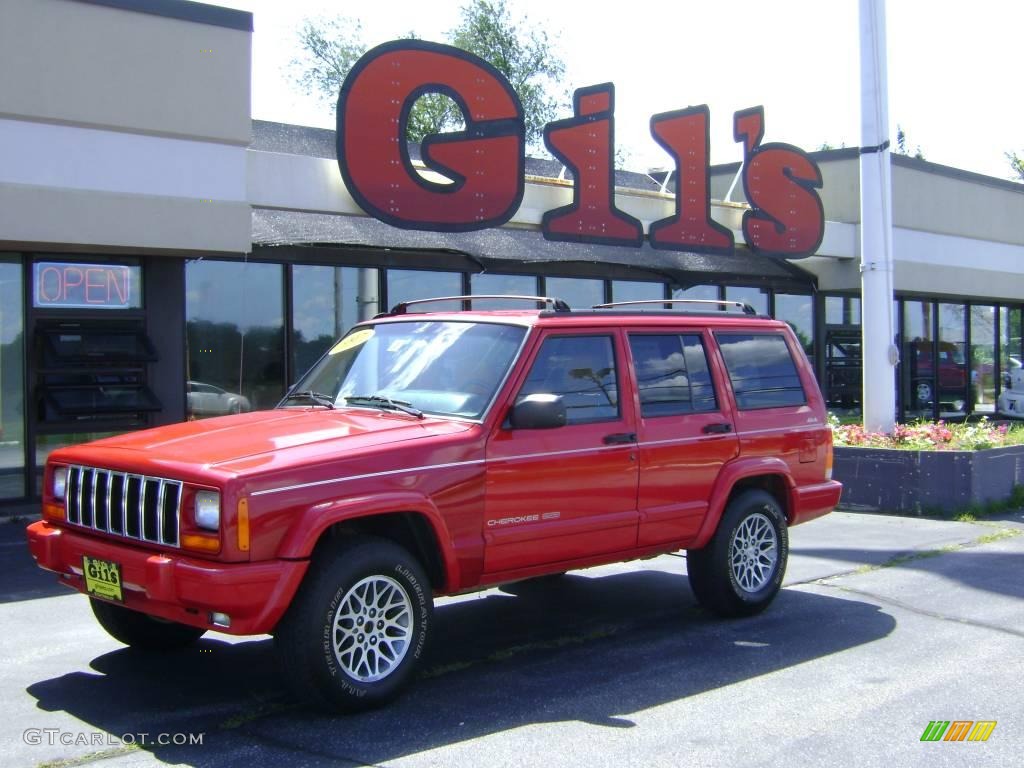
<point>717,429</point>
<point>620,438</point>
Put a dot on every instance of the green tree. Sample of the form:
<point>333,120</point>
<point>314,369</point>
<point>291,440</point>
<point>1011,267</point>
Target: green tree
<point>330,48</point>
<point>520,51</point>
<point>1016,166</point>
<point>901,145</point>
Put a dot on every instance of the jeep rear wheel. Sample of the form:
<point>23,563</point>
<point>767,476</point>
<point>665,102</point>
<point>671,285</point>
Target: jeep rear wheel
<point>142,631</point>
<point>740,571</point>
<point>358,626</point>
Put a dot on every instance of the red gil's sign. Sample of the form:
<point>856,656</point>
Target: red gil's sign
<point>485,162</point>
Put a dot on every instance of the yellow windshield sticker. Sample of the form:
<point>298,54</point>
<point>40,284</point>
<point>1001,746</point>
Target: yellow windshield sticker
<point>352,340</point>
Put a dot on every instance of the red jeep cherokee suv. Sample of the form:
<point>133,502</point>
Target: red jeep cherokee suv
<point>436,453</point>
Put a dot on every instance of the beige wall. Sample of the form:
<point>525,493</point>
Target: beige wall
<point>71,220</point>
<point>121,129</point>
<point>954,233</point>
<point>91,65</point>
<point>963,205</point>
<point>840,191</point>
<point>926,197</point>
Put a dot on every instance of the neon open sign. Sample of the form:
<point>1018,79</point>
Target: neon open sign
<point>85,286</point>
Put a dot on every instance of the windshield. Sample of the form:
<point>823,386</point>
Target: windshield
<point>445,368</point>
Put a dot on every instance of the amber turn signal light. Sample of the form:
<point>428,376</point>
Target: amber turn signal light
<point>243,524</point>
<point>53,511</point>
<point>200,543</point>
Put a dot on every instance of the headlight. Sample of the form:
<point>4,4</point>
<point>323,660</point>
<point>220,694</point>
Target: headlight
<point>60,482</point>
<point>208,510</point>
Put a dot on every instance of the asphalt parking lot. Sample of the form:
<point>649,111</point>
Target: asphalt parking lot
<point>885,624</point>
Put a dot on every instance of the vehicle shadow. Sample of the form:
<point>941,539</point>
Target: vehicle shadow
<point>577,648</point>
<point>23,579</point>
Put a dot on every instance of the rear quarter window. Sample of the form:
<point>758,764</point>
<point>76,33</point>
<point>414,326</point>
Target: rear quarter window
<point>761,369</point>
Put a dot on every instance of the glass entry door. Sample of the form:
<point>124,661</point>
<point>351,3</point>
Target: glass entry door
<point>917,355</point>
<point>12,381</point>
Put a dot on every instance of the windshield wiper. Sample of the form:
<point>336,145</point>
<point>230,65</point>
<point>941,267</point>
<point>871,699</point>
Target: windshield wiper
<point>318,398</point>
<point>385,403</point>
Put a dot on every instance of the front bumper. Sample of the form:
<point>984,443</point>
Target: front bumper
<point>174,586</point>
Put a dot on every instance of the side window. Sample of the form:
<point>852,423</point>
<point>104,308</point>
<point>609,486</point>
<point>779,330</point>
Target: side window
<point>761,370</point>
<point>672,375</point>
<point>581,369</point>
<point>701,388</point>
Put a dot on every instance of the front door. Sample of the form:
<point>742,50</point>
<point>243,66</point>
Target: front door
<point>570,492</point>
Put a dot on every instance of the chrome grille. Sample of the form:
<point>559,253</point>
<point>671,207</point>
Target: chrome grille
<point>134,506</point>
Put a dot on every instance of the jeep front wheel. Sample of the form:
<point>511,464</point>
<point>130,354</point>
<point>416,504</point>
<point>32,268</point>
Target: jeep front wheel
<point>358,626</point>
<point>740,570</point>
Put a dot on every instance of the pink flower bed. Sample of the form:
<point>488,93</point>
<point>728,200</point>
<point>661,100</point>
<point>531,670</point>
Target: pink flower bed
<point>931,436</point>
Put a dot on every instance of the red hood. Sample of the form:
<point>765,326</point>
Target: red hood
<point>239,440</point>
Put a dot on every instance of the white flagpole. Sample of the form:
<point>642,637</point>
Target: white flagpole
<point>879,352</point>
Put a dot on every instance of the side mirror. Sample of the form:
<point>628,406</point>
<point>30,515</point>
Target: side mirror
<point>538,412</point>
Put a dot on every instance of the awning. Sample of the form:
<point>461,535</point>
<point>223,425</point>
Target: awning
<point>298,236</point>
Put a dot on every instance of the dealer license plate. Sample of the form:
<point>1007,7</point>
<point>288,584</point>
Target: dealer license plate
<point>102,578</point>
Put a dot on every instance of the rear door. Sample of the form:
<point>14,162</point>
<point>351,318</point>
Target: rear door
<point>685,432</point>
<point>776,398</point>
<point>568,492</point>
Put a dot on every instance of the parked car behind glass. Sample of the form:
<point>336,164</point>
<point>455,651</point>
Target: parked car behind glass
<point>208,400</point>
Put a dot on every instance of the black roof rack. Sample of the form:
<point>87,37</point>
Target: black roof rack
<point>724,305</point>
<point>556,304</point>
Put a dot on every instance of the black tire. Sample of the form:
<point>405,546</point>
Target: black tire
<point>344,680</point>
<point>922,394</point>
<point>141,631</point>
<point>747,586</point>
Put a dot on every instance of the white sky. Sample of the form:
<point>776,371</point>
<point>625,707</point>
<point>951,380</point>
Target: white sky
<point>953,66</point>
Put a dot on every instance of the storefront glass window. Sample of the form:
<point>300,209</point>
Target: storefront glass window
<point>842,310</point>
<point>1011,358</point>
<point>410,284</point>
<point>235,337</point>
<point>503,285</point>
<point>580,294</point>
<point>798,311</point>
<point>702,292</point>
<point>950,365</point>
<point>628,290</point>
<point>755,297</point>
<point>983,359</point>
<point>12,387</point>
<point>326,302</point>
<point>917,371</point>
<point>843,368</point>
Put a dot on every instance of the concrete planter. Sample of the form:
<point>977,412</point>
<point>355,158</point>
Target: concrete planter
<point>919,482</point>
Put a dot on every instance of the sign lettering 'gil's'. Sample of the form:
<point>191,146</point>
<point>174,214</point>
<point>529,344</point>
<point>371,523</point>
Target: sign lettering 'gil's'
<point>485,162</point>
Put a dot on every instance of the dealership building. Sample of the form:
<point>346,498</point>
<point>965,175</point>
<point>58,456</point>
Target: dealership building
<point>163,256</point>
